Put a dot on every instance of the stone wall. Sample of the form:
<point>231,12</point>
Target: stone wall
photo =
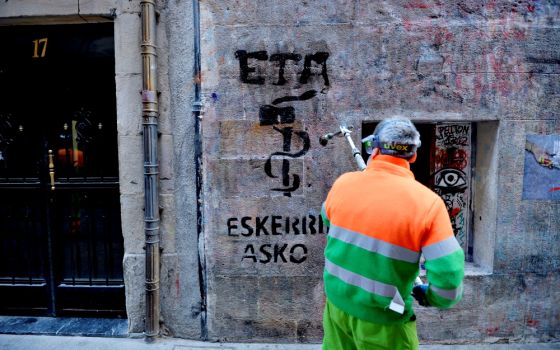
<point>276,76</point>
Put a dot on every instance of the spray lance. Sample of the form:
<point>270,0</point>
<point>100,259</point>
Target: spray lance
<point>368,142</point>
<point>345,131</point>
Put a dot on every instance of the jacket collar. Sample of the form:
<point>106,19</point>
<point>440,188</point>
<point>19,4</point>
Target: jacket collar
<point>393,165</point>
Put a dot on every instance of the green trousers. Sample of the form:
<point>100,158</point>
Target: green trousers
<point>345,332</point>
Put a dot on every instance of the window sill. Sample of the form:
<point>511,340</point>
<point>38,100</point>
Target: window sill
<point>471,269</point>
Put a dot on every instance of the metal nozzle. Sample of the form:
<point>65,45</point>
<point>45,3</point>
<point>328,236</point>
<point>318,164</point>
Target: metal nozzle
<point>323,140</point>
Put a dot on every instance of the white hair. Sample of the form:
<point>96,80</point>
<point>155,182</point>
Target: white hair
<point>397,129</point>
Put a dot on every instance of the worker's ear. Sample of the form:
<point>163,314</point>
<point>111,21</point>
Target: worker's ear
<point>413,159</point>
<point>374,153</point>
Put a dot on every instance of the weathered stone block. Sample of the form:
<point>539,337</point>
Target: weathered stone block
<point>233,176</point>
<point>166,153</point>
<point>167,223</point>
<point>251,305</point>
<point>165,124</point>
<point>291,298</point>
<point>129,104</point>
<point>267,12</point>
<point>134,267</point>
<point>468,11</point>
<point>131,164</point>
<point>248,139</point>
<point>20,8</point>
<point>101,7</point>
<point>132,222</point>
<point>127,44</point>
<point>121,6</point>
<point>181,298</point>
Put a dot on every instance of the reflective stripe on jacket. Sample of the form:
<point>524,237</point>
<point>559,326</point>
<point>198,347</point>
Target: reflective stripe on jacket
<point>380,221</point>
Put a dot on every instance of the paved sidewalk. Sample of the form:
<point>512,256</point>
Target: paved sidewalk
<point>44,342</point>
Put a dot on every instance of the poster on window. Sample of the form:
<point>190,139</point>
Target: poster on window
<point>451,174</point>
<point>542,167</point>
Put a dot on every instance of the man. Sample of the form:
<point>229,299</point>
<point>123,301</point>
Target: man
<point>380,221</point>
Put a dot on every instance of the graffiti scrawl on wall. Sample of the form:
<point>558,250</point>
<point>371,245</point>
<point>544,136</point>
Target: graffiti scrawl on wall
<point>542,167</point>
<point>281,235</point>
<point>451,174</point>
<point>277,113</point>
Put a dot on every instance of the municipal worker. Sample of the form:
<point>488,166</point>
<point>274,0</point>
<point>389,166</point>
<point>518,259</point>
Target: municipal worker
<point>381,220</point>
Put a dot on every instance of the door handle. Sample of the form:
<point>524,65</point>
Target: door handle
<point>51,169</point>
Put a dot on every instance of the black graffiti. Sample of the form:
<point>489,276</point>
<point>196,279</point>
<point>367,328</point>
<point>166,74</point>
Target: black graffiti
<point>303,97</point>
<point>314,65</point>
<point>281,58</point>
<point>450,180</point>
<point>320,58</point>
<point>270,115</point>
<point>243,57</point>
<point>453,135</point>
<point>267,253</point>
<point>275,225</point>
<point>449,130</point>
<point>287,136</point>
<point>454,141</point>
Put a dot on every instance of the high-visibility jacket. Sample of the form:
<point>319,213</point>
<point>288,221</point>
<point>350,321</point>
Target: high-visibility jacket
<point>381,220</point>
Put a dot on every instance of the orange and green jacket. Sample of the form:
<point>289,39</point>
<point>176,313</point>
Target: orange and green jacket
<point>381,220</point>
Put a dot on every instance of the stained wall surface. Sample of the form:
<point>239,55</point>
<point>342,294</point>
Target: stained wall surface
<point>278,75</point>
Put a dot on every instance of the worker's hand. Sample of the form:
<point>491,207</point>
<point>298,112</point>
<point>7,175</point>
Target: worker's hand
<point>419,293</point>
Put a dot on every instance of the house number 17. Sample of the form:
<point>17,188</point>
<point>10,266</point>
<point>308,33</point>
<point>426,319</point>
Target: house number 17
<point>36,46</point>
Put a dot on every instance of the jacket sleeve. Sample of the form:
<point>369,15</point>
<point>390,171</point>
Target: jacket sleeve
<point>445,259</point>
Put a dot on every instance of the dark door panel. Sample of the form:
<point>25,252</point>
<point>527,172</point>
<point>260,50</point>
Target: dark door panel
<point>60,237</point>
<point>89,236</point>
<point>23,248</point>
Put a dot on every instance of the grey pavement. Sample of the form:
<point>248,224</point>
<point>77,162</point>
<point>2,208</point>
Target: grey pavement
<point>44,342</point>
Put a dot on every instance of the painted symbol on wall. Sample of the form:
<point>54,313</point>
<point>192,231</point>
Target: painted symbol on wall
<point>292,184</point>
<point>272,114</point>
<point>450,185</point>
<point>450,181</point>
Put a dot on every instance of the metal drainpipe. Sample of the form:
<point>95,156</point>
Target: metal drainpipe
<point>151,167</point>
<point>197,115</point>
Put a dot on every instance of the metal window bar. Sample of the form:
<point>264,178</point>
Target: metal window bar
<point>107,234</point>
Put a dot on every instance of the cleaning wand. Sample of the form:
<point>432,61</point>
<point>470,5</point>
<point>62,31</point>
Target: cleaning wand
<point>345,131</point>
